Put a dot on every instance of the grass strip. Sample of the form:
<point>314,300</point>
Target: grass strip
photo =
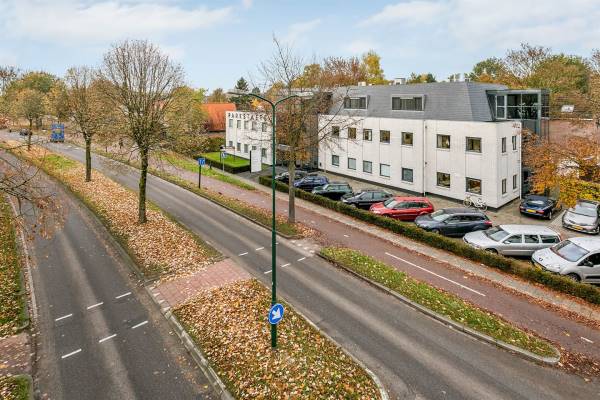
<point>437,300</point>
<point>15,387</point>
<point>12,303</point>
<point>230,325</point>
<point>231,161</point>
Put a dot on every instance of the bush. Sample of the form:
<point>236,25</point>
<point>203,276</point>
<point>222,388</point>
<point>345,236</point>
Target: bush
<point>556,282</point>
<point>231,165</point>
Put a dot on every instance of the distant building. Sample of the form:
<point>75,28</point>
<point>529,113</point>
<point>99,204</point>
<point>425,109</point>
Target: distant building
<point>215,113</point>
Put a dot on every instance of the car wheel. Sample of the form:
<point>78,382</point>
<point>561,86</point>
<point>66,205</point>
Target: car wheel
<point>493,251</point>
<point>574,277</point>
<point>435,231</point>
<point>550,215</point>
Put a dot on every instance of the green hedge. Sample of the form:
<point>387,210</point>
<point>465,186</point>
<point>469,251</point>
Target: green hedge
<point>556,282</point>
<point>231,166</point>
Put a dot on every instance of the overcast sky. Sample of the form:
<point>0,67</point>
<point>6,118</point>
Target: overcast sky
<point>218,41</point>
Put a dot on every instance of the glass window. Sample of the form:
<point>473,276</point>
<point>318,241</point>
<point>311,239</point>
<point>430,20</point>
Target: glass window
<point>246,124</point>
<point>351,163</point>
<point>515,181</point>
<point>474,144</point>
<point>368,167</point>
<point>514,142</point>
<point>355,103</point>
<point>503,186</point>
<point>443,179</point>
<point>239,124</point>
<point>531,239</point>
<point>231,143</point>
<point>264,126</point>
<point>230,123</point>
<point>384,170</point>
<point>407,103</point>
<point>335,160</point>
<point>549,239</point>
<point>473,185</point>
<point>384,136</point>
<point>407,174</point>
<point>245,148</point>
<point>496,233</point>
<point>514,239</point>
<point>500,107</point>
<point>239,146</point>
<point>407,138</point>
<point>367,135</point>
<point>335,131</point>
<point>504,145</point>
<point>351,133</point>
<point>254,126</point>
<point>253,147</point>
<point>569,251</point>
<point>263,153</point>
<point>443,141</point>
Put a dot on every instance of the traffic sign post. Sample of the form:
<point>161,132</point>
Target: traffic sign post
<point>223,157</point>
<point>276,314</point>
<point>201,162</point>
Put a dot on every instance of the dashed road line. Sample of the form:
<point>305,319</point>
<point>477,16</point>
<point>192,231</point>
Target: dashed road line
<point>285,265</point>
<point>107,338</point>
<point>140,324</point>
<point>433,273</point>
<point>587,340</point>
<point>70,354</point>
<point>63,317</point>
<point>268,272</point>
<point>259,249</point>
<point>95,305</point>
<point>301,259</point>
<point>122,295</point>
<point>346,235</point>
<point>242,254</point>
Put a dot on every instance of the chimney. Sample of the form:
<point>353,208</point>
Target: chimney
<point>362,83</point>
<point>399,81</point>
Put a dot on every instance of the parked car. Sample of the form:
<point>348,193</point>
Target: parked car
<point>513,240</point>
<point>454,221</point>
<point>24,132</point>
<point>365,198</point>
<point>539,206</point>
<point>284,176</point>
<point>309,182</point>
<point>584,217</point>
<point>333,190</point>
<point>403,208</point>
<point>577,258</point>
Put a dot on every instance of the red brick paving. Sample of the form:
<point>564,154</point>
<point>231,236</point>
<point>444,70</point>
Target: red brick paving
<point>15,355</point>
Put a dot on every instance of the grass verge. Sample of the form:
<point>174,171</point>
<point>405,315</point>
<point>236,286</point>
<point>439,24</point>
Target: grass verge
<point>231,161</point>
<point>14,387</point>
<point>437,300</point>
<point>229,324</point>
<point>12,302</point>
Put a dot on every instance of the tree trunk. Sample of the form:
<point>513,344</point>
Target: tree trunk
<point>142,187</point>
<point>29,134</point>
<point>292,191</point>
<point>88,159</point>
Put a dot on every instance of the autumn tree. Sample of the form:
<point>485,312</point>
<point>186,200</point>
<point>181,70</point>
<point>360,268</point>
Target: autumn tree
<point>56,102</point>
<point>8,74</point>
<point>217,96</point>
<point>142,85</point>
<point>421,78</point>
<point>29,104</point>
<point>337,71</point>
<point>372,64</point>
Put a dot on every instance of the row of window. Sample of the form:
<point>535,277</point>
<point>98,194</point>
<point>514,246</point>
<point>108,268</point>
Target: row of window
<point>238,146</point>
<point>399,103</point>
<point>248,125</point>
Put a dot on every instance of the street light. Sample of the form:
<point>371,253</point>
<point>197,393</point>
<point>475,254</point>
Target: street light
<point>273,228</point>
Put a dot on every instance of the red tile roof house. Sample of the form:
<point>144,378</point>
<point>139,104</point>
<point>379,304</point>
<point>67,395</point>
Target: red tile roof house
<point>215,113</point>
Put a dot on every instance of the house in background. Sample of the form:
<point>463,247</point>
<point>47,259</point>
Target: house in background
<point>215,116</point>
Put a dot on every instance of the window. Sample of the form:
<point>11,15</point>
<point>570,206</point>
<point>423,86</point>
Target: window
<point>407,174</point>
<point>245,148</point>
<point>514,239</point>
<point>504,145</point>
<point>230,123</point>
<point>355,103</point>
<point>384,136</point>
<point>500,107</point>
<point>253,125</point>
<point>549,239</point>
<point>246,124</point>
<point>515,181</point>
<point>443,179</point>
<point>253,147</point>
<point>443,141</point>
<point>368,167</point>
<point>335,160</point>
<point>473,185</point>
<point>531,239</point>
<point>384,170</point>
<point>351,163</point>
<point>407,138</point>
<point>231,143</point>
<point>367,135</point>
<point>407,103</point>
<point>474,145</point>
<point>514,142</point>
<point>263,153</point>
<point>351,133</point>
<point>504,186</point>
<point>239,124</point>
<point>239,146</point>
<point>335,131</point>
<point>264,126</point>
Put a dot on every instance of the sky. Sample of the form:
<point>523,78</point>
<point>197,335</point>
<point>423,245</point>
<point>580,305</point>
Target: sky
<point>221,40</point>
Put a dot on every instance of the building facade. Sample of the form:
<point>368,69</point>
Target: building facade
<point>248,131</point>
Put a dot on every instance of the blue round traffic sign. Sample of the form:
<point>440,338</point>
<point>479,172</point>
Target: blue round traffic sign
<point>276,314</point>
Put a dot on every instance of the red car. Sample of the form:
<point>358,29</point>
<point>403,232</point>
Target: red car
<point>403,208</point>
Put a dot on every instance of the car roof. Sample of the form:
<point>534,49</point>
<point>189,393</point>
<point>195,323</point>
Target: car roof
<point>528,229</point>
<point>373,190</point>
<point>461,210</point>
<point>594,202</point>
<point>339,183</point>
<point>536,197</point>
<point>404,198</point>
<point>588,243</point>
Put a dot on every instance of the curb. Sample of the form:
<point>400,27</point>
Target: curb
<point>446,321</point>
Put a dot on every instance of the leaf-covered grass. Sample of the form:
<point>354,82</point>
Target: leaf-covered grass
<point>192,166</point>
<point>14,387</point>
<point>230,160</point>
<point>230,325</point>
<point>12,304</point>
<point>437,300</point>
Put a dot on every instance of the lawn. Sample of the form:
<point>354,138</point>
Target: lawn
<point>232,161</point>
<point>14,388</point>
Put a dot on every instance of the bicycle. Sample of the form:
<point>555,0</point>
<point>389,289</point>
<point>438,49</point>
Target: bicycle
<point>475,202</point>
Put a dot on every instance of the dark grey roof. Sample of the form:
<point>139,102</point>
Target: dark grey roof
<point>454,101</point>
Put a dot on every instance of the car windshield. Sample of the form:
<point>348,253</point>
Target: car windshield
<point>439,216</point>
<point>535,202</point>
<point>584,210</point>
<point>496,233</point>
<point>390,203</point>
<point>569,251</point>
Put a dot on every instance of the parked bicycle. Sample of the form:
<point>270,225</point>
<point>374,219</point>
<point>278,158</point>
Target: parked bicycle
<point>475,202</point>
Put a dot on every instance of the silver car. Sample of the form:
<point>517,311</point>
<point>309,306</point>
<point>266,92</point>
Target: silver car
<point>584,217</point>
<point>513,240</point>
<point>577,258</point>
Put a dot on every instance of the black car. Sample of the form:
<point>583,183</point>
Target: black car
<point>539,206</point>
<point>366,198</point>
<point>333,190</point>
<point>24,132</point>
<point>309,182</point>
<point>284,176</point>
<point>454,221</point>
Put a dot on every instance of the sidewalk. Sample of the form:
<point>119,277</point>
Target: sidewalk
<point>15,355</point>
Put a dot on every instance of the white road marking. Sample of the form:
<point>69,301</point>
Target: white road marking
<point>107,338</point>
<point>95,305</point>
<point>299,244</point>
<point>63,317</point>
<point>259,249</point>
<point>346,236</point>
<point>285,265</point>
<point>312,252</point>
<point>242,254</point>
<point>161,301</point>
<point>71,353</point>
<point>122,295</point>
<point>140,324</point>
<point>303,258</point>
<point>587,340</point>
<point>268,272</point>
<point>433,273</point>
<point>306,248</point>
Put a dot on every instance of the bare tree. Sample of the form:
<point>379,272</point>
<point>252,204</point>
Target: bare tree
<point>142,82</point>
<point>8,74</point>
<point>29,104</point>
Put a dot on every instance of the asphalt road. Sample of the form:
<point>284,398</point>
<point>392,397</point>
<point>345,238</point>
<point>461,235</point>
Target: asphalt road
<point>98,335</point>
<point>415,356</point>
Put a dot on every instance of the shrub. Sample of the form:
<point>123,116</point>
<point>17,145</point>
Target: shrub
<point>230,164</point>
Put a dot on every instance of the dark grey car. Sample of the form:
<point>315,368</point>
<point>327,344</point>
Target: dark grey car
<point>584,217</point>
<point>454,221</point>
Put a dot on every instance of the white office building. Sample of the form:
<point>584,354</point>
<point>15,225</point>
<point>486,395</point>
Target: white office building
<point>248,131</point>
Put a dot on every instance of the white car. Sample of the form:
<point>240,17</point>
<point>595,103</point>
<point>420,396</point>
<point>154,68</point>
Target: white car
<point>577,258</point>
<point>513,240</point>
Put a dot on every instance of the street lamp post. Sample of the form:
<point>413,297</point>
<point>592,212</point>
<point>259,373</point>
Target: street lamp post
<point>273,227</point>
